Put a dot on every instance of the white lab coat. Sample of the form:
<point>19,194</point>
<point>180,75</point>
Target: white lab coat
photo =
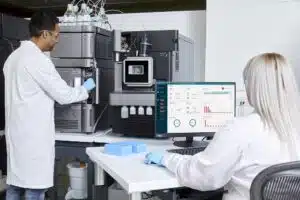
<point>232,159</point>
<point>32,85</point>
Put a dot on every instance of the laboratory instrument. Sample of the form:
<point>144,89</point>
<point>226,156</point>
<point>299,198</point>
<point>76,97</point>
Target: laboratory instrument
<point>141,58</point>
<point>84,52</point>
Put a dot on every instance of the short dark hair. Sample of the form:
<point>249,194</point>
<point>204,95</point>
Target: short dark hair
<point>42,20</point>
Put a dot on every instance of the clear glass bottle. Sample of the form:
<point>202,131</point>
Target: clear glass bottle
<point>94,16</point>
<point>83,17</point>
<point>69,17</point>
<point>101,18</point>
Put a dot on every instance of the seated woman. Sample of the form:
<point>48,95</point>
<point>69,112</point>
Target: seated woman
<point>268,136</point>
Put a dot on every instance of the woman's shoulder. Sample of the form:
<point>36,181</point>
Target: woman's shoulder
<point>245,125</point>
<point>250,119</point>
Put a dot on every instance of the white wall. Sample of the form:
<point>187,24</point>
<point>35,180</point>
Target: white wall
<point>240,29</point>
<point>189,23</point>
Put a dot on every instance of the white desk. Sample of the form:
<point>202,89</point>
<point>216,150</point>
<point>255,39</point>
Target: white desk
<point>102,137</point>
<point>131,172</point>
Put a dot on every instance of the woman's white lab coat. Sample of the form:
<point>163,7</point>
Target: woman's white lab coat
<point>32,85</point>
<point>232,159</point>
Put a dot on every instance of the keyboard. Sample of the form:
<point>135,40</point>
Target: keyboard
<point>187,151</point>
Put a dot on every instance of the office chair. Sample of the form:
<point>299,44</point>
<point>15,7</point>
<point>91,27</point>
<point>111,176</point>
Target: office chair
<point>277,182</point>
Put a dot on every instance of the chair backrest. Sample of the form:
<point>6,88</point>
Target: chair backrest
<point>277,182</point>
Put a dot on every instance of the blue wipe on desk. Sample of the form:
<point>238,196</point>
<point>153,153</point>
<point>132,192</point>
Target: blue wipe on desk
<point>137,147</point>
<point>125,148</point>
<point>118,149</point>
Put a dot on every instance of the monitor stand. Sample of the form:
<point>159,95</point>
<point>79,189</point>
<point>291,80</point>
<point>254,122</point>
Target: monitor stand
<point>189,142</point>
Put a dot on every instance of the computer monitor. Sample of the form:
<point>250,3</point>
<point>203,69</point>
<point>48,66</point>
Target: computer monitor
<point>193,109</point>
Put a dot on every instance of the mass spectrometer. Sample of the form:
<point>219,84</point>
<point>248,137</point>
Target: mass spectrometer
<point>140,59</point>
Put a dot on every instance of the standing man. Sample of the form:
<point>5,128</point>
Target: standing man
<point>32,85</point>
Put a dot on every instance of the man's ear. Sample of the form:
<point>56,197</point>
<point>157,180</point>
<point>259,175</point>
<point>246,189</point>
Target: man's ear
<point>44,34</point>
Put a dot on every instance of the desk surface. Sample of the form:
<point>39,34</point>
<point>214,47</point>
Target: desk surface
<point>79,137</point>
<point>98,137</point>
<point>103,137</point>
<point>131,172</point>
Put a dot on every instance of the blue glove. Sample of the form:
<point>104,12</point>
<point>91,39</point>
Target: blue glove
<point>89,84</point>
<point>154,158</point>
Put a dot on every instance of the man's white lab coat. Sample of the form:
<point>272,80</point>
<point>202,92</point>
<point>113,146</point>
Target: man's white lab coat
<point>233,158</point>
<point>32,85</point>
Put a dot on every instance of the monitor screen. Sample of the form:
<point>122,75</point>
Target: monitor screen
<point>200,108</point>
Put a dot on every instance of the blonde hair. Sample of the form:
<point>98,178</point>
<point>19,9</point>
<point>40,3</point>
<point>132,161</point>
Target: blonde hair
<point>272,91</point>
